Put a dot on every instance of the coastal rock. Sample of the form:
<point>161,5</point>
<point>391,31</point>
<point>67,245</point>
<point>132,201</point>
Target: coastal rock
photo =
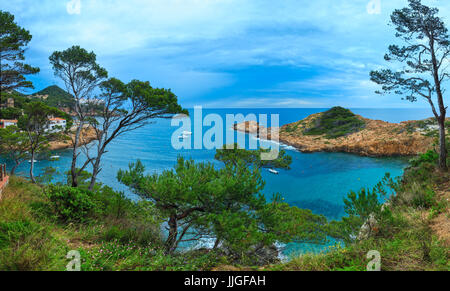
<point>248,126</point>
<point>377,139</point>
<point>367,228</point>
<point>88,134</point>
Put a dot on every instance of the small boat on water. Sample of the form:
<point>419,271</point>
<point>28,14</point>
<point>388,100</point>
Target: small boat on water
<point>33,161</point>
<point>273,171</point>
<point>54,158</point>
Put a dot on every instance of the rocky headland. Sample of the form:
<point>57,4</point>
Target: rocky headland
<point>88,134</point>
<point>339,130</point>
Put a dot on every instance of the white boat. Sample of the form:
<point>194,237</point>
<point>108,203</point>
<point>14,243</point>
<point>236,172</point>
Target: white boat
<point>274,171</point>
<point>183,136</point>
<point>33,160</point>
<point>54,157</point>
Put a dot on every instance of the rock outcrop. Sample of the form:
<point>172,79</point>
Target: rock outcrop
<point>88,134</point>
<point>377,138</point>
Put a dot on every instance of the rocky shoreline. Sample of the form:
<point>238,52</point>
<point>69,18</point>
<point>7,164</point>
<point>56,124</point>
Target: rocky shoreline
<point>377,139</point>
<point>87,136</point>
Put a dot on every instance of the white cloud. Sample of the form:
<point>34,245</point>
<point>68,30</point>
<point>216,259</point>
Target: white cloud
<point>192,45</point>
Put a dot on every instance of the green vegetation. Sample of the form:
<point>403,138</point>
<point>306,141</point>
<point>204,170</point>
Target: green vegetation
<point>199,201</point>
<point>335,123</point>
<point>14,145</point>
<point>39,225</point>
<point>13,42</point>
<point>233,154</point>
<point>400,229</point>
<point>56,97</point>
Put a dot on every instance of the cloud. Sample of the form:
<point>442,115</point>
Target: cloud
<point>202,48</point>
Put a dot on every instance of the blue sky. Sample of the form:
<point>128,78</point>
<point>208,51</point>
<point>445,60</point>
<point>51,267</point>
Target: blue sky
<point>226,53</point>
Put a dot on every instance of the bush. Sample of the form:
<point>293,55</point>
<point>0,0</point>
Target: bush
<point>424,198</point>
<point>113,204</point>
<point>335,123</point>
<point>429,157</point>
<point>72,204</point>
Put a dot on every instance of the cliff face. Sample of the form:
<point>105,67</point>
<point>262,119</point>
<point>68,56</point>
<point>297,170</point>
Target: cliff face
<point>377,138</point>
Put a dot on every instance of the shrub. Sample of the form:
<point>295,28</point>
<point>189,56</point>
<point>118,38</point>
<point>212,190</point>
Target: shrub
<point>424,198</point>
<point>335,123</point>
<point>113,204</point>
<point>429,157</point>
<point>71,204</point>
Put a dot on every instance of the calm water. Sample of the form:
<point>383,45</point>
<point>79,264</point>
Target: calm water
<point>317,181</point>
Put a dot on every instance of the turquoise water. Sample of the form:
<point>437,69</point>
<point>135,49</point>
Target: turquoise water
<point>317,181</point>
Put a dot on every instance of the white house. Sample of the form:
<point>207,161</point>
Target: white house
<point>7,122</point>
<point>56,124</point>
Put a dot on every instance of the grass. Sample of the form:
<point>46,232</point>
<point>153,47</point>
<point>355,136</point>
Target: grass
<point>125,235</point>
<point>34,237</point>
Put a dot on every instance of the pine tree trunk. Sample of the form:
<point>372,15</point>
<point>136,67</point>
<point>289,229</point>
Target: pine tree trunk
<point>442,145</point>
<point>173,233</point>
<point>32,167</point>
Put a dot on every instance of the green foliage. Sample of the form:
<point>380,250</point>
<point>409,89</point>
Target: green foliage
<point>362,204</point>
<point>87,72</point>
<point>72,204</point>
<point>159,101</point>
<point>429,157</point>
<point>365,206</point>
<point>57,97</point>
<point>83,178</point>
<point>335,123</point>
<point>13,42</point>
<point>10,113</point>
<point>200,201</point>
<point>233,154</point>
<point>14,144</point>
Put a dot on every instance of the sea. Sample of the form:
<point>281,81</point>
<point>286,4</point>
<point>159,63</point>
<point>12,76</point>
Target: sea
<point>316,181</point>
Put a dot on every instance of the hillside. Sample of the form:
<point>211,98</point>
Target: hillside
<point>339,130</point>
<point>56,97</point>
<point>115,233</point>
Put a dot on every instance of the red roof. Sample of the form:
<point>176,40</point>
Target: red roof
<point>8,120</point>
<point>57,119</point>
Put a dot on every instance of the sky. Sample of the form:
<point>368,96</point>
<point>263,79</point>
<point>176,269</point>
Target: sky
<point>226,53</point>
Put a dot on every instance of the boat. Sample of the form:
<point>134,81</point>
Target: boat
<point>33,161</point>
<point>54,158</point>
<point>274,171</point>
<point>183,136</point>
